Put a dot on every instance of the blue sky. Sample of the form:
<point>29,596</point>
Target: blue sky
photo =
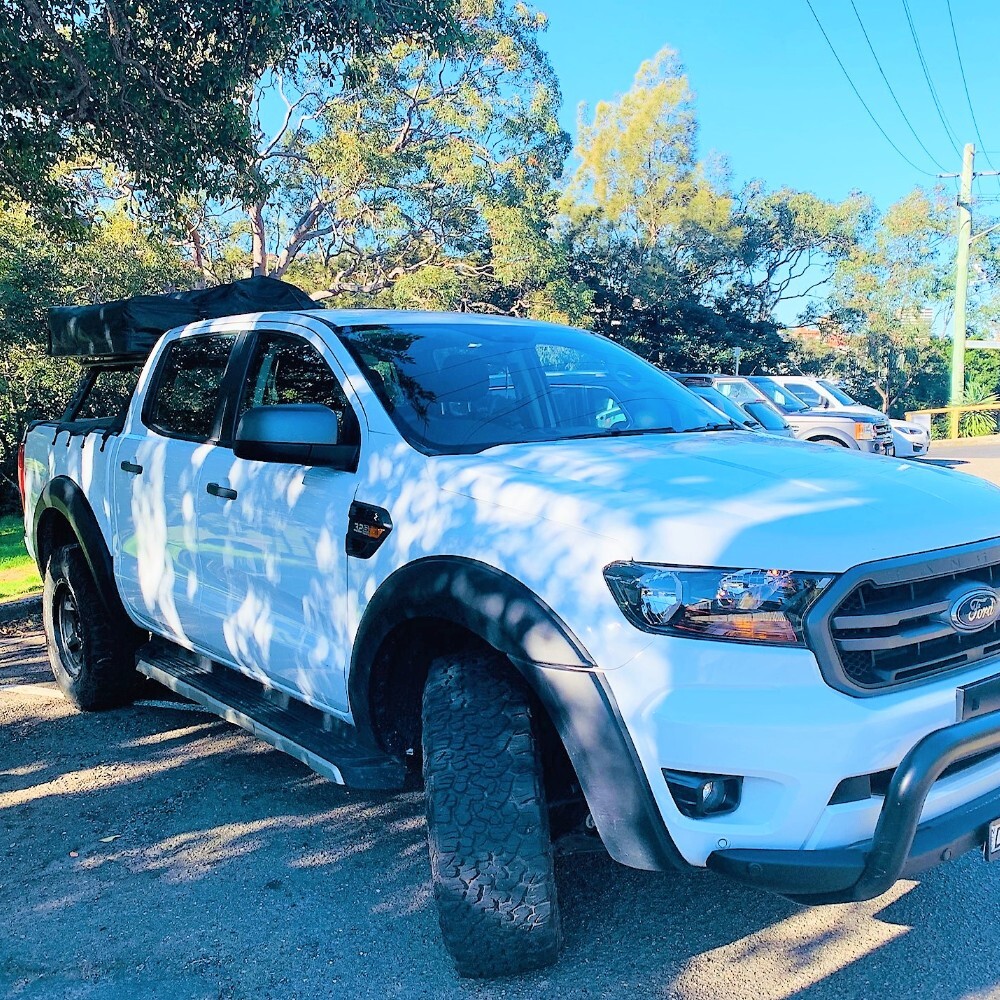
<point>771,98</point>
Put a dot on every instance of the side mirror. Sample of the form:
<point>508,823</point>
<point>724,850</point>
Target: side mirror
<point>296,434</point>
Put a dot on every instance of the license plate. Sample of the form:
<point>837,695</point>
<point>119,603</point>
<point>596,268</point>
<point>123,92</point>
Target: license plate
<point>991,849</point>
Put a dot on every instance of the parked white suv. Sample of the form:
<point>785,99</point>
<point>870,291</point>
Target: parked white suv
<point>910,439</point>
<point>397,547</point>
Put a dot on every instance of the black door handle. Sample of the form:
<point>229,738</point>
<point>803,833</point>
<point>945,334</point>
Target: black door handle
<point>221,491</point>
<point>136,470</point>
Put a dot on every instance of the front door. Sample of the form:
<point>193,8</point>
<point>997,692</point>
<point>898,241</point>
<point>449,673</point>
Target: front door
<point>271,536</point>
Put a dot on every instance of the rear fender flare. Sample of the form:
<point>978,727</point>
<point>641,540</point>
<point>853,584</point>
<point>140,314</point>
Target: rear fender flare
<point>65,497</point>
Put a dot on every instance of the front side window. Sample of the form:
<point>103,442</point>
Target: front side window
<point>287,369</point>
<point>462,387</point>
<point>185,401</point>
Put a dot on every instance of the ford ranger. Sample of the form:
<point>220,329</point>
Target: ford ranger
<point>514,564</point>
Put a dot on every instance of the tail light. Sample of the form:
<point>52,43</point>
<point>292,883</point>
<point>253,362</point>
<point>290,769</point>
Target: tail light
<point>20,472</point>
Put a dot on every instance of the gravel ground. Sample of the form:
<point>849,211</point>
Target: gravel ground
<point>156,852</point>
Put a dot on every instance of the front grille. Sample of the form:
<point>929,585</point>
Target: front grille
<point>886,625</point>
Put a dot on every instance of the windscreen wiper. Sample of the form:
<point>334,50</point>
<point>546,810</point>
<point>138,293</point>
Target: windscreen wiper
<point>731,426</point>
<point>620,432</point>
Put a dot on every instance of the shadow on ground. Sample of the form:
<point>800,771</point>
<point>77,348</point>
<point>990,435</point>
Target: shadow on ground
<point>150,852</point>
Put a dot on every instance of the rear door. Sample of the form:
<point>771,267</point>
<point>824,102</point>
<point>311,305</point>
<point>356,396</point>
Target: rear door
<point>156,468</point>
<point>271,535</point>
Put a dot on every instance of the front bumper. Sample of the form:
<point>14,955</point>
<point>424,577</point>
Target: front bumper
<point>879,446</point>
<point>901,845</point>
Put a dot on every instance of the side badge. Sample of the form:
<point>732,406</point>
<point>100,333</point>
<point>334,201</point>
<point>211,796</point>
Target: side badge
<point>367,528</point>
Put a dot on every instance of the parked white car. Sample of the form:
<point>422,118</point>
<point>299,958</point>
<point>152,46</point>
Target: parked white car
<point>911,439</point>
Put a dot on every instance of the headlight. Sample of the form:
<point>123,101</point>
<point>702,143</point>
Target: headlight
<point>913,431</point>
<point>864,432</point>
<point>741,605</point>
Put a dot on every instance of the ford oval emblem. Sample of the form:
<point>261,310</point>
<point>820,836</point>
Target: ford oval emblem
<point>975,610</point>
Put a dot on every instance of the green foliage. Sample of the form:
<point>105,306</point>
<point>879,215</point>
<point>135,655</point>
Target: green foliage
<point>112,259</point>
<point>877,318</point>
<point>164,89</point>
<point>18,572</point>
<point>424,181</point>
<point>679,267</point>
<point>638,165</point>
<point>982,369</point>
<point>979,423</point>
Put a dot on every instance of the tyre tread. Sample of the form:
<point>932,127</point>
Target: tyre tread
<point>491,853</point>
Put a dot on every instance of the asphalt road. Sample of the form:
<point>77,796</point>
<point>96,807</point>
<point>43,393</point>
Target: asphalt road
<point>156,852</point>
<point>974,456</point>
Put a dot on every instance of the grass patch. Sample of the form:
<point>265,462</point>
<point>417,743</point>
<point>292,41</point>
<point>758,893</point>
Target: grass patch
<point>18,573</point>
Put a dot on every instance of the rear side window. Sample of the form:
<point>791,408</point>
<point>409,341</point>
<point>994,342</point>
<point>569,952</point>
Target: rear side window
<point>108,395</point>
<point>186,397</point>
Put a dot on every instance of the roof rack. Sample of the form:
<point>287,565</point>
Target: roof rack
<point>126,331</point>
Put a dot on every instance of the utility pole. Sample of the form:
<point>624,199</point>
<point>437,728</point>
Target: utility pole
<point>961,284</point>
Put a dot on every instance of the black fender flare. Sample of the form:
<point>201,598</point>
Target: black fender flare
<point>67,498</point>
<point>504,613</point>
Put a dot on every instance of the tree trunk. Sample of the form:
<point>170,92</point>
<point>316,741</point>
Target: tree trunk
<point>198,253</point>
<point>259,240</point>
<point>883,394</point>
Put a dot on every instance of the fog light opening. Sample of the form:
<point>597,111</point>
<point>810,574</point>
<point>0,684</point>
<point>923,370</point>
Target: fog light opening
<point>701,795</point>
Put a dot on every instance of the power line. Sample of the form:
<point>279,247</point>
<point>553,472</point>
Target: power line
<point>952,138</point>
<point>871,48</point>
<point>857,93</point>
<point>965,84</point>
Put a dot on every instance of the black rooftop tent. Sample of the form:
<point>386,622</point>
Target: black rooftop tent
<point>128,329</point>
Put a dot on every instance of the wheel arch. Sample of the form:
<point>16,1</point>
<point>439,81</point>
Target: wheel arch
<point>461,599</point>
<point>437,605</point>
<point>835,436</point>
<point>63,516</point>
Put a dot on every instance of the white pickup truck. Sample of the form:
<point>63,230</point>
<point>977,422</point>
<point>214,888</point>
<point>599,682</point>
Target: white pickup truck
<point>512,561</point>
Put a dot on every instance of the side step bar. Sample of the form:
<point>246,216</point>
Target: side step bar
<point>321,741</point>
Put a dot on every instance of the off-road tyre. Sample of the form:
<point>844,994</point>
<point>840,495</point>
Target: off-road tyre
<point>487,819</point>
<point>92,653</point>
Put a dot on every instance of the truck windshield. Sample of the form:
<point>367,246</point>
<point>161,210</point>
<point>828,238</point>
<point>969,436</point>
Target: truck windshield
<point>838,394</point>
<point>725,404</point>
<point>456,388</point>
<point>783,398</point>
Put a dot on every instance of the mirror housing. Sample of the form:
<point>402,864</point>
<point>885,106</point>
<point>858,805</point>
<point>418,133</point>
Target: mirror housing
<point>295,434</point>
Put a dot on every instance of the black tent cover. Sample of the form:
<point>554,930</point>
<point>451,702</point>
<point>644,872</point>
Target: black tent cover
<point>128,329</point>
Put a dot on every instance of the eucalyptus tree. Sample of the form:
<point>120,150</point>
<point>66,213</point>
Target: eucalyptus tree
<point>163,88</point>
<point>680,265</point>
<point>425,179</point>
